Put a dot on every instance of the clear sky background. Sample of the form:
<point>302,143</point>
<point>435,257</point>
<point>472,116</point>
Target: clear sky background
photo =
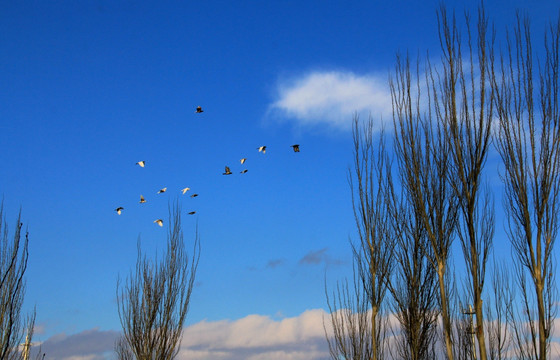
<point>89,88</point>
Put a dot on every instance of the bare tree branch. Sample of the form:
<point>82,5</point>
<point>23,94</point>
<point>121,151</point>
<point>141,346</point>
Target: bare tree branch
<point>14,254</point>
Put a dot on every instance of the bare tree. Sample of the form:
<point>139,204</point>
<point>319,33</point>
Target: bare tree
<point>497,312</point>
<point>424,160</point>
<point>350,322</point>
<point>529,144</point>
<point>14,326</point>
<point>414,285</point>
<point>373,250</point>
<point>154,300</point>
<point>464,103</point>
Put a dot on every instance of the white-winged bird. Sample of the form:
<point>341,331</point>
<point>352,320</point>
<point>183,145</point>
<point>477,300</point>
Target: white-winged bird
<point>162,190</point>
<point>119,209</point>
<point>159,222</point>
<point>262,149</point>
<point>228,171</point>
<point>141,163</point>
<point>242,161</point>
<point>296,147</point>
<point>142,200</point>
<point>199,110</point>
<point>185,190</point>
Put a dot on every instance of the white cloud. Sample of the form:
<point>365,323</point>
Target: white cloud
<point>256,337</point>
<point>331,98</point>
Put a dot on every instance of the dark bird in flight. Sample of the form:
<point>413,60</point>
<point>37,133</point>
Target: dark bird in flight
<point>228,171</point>
<point>119,209</point>
<point>199,110</point>
<point>141,163</point>
<point>192,213</point>
<point>243,171</point>
<point>162,190</point>
<point>142,200</point>
<point>194,195</point>
<point>262,149</point>
<point>159,222</point>
<point>296,147</point>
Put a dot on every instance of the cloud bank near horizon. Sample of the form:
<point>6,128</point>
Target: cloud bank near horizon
<point>331,98</point>
<point>254,337</point>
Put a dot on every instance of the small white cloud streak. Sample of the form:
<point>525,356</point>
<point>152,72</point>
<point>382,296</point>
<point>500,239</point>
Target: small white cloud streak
<point>331,98</point>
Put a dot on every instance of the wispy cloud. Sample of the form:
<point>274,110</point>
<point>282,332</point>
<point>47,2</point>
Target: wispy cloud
<point>330,98</point>
<point>316,257</point>
<point>274,263</point>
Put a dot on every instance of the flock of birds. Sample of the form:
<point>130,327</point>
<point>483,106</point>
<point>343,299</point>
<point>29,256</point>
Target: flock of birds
<point>142,163</point>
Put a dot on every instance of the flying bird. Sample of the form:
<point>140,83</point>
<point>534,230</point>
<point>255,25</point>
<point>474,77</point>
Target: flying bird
<point>228,171</point>
<point>296,147</point>
<point>199,110</point>
<point>194,195</point>
<point>243,171</point>
<point>162,190</point>
<point>262,149</point>
<point>242,161</point>
<point>159,222</point>
<point>192,213</point>
<point>141,163</point>
<point>142,200</point>
<point>185,190</point>
<point>119,209</point>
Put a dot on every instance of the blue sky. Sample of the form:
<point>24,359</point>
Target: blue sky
<point>89,88</point>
